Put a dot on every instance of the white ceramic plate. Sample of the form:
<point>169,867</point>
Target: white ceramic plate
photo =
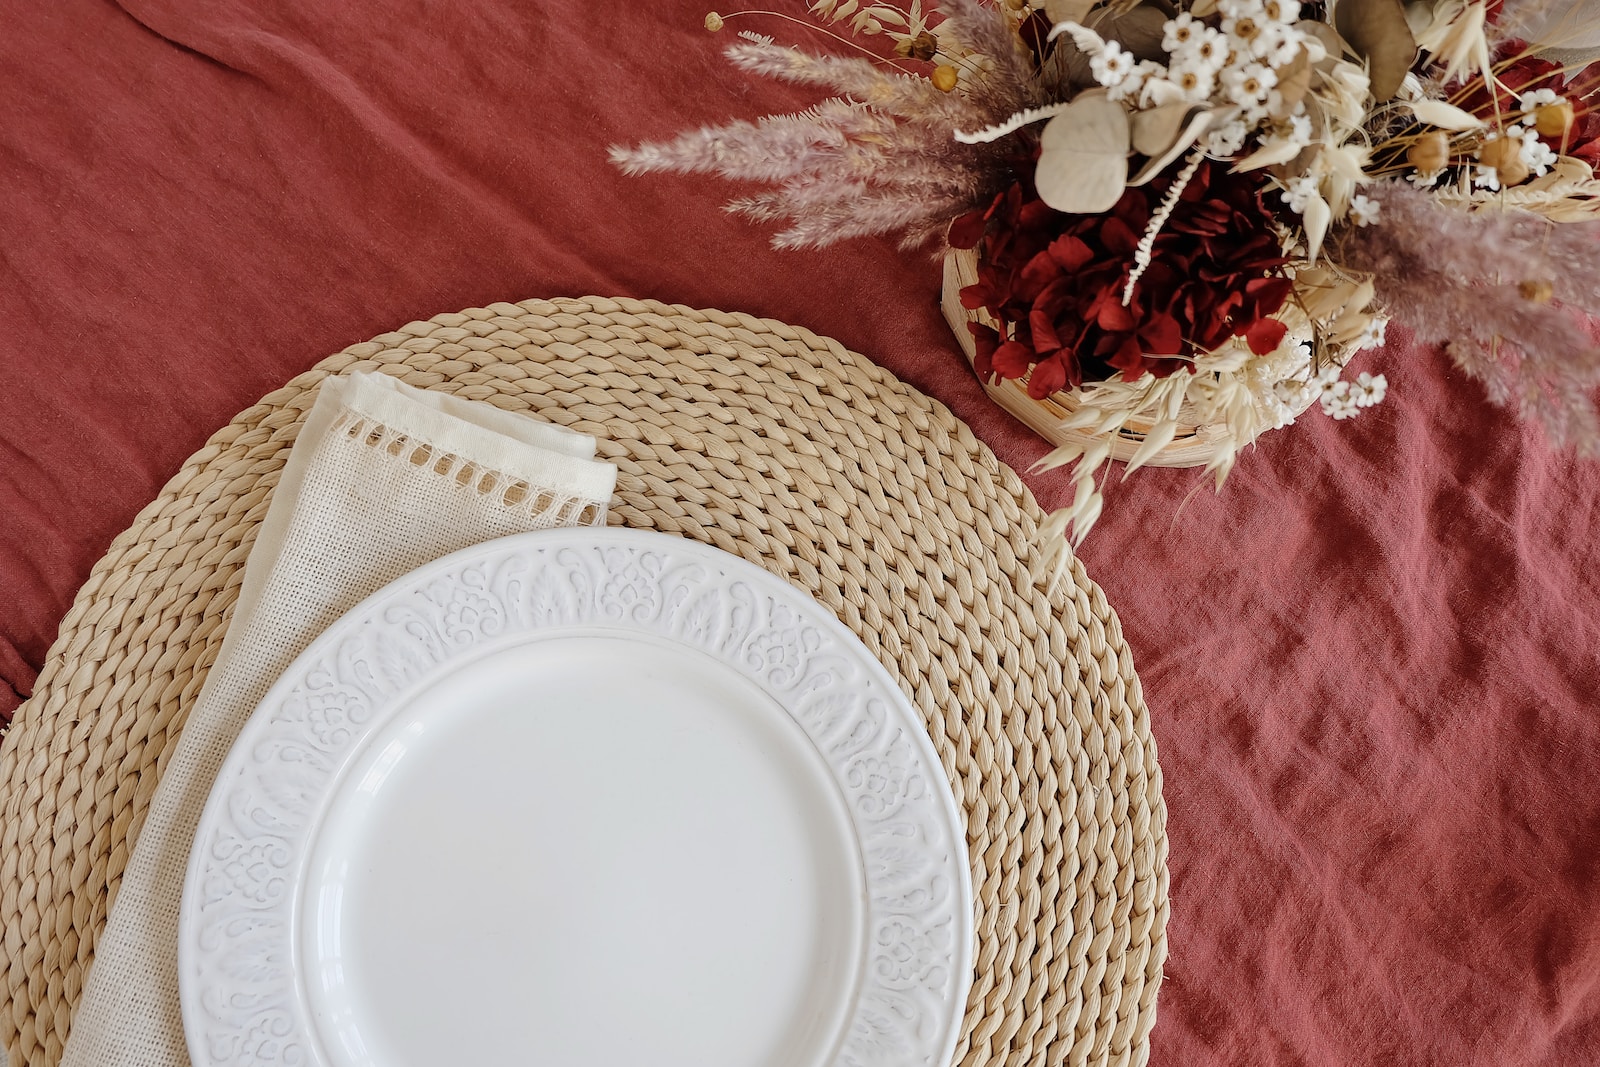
<point>580,798</point>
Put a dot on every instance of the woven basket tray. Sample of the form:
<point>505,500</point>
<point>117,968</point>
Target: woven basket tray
<point>757,437</point>
<point>1191,446</point>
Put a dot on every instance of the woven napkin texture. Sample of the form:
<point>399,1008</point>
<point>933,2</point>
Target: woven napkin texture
<point>382,479</point>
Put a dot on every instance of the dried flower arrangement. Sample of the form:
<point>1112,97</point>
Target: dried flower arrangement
<point>1193,212</point>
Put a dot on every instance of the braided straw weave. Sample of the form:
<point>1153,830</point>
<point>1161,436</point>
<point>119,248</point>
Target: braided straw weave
<point>754,436</point>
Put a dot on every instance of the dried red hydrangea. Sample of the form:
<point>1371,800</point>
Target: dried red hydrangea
<point>1056,280</point>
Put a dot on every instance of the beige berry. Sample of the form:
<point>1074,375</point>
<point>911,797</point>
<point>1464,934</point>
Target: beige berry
<point>944,78</point>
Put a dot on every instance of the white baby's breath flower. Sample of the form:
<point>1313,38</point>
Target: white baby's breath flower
<point>1373,335</point>
<point>1536,154</point>
<point>1227,139</point>
<point>1112,65</point>
<point>1424,180</point>
<point>1328,375</point>
<point>1364,210</point>
<point>1369,389</point>
<point>1531,101</point>
<point>1299,193</point>
<point>1300,128</point>
<point>1340,407</point>
<point>1486,178</point>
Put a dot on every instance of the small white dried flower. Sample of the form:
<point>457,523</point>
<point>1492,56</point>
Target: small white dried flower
<point>1179,32</point>
<point>1209,49</point>
<point>1531,101</point>
<point>1282,12</point>
<point>1424,180</point>
<point>1299,193</point>
<point>1486,178</point>
<point>1300,128</point>
<point>1233,9</point>
<point>1369,389</point>
<point>1342,406</point>
<point>1196,83</point>
<point>1226,140</point>
<point>1373,335</point>
<point>1364,210</point>
<point>1130,87</point>
<point>1112,65</point>
<point>1244,29</point>
<point>1536,154</point>
<point>1248,85</point>
<point>1274,44</point>
<point>1284,49</point>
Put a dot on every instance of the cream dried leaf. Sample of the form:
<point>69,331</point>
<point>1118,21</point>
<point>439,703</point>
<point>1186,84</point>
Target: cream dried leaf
<point>1271,153</point>
<point>1315,219</point>
<point>1083,155</point>
<point>1165,133</point>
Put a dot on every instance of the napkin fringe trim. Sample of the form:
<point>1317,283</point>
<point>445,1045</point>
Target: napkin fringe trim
<point>515,493</point>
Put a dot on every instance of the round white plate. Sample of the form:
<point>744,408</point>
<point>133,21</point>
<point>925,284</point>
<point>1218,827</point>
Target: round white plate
<point>580,798</point>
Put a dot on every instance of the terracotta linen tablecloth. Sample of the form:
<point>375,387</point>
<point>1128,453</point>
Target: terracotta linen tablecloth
<point>1373,661</point>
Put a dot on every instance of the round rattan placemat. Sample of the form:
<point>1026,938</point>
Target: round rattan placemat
<point>764,440</point>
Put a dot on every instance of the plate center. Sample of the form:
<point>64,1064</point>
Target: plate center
<point>588,850</point>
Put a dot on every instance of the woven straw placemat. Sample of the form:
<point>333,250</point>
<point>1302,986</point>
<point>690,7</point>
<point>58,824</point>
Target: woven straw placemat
<point>766,441</point>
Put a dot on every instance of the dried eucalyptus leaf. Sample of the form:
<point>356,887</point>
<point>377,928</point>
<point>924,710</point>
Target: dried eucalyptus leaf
<point>1378,32</point>
<point>1149,133</point>
<point>1294,81</point>
<point>1138,31</point>
<point>1068,10</point>
<point>1332,43</point>
<point>1156,129</point>
<point>1201,8</point>
<point>1083,156</point>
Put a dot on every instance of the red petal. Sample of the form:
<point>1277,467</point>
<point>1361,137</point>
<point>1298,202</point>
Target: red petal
<point>1012,359</point>
<point>1264,335</point>
<point>965,231</point>
<point>1048,377</point>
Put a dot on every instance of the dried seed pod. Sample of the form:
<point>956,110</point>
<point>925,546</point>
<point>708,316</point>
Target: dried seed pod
<point>1513,171</point>
<point>1554,120</point>
<point>713,21</point>
<point>1499,151</point>
<point>922,46</point>
<point>1430,152</point>
<point>944,78</point>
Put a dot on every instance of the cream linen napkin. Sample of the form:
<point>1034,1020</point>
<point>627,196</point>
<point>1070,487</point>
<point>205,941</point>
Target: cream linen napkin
<point>382,479</point>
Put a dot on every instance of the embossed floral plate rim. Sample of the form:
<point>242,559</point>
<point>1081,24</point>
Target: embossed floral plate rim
<point>238,989</point>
